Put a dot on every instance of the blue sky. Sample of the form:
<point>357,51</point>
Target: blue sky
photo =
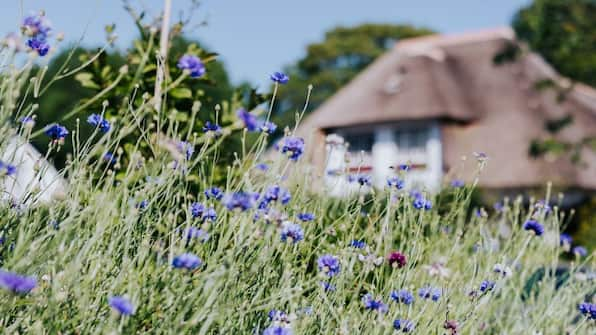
<point>256,37</point>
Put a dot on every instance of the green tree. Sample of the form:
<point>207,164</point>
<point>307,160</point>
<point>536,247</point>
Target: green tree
<point>564,33</point>
<point>332,63</point>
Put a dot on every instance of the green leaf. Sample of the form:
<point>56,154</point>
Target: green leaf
<point>86,80</point>
<point>181,93</point>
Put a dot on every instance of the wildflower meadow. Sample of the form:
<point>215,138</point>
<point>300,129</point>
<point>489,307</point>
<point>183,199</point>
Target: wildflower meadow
<point>155,233</point>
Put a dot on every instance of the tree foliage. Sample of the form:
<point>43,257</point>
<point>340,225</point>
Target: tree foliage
<point>564,33</point>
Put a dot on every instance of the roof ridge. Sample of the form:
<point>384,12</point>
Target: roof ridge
<point>439,39</point>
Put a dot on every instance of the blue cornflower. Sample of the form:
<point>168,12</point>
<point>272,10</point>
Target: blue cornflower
<point>143,204</point>
<point>487,285</point>
<point>275,193</point>
<point>250,120</point>
<point>402,296</point>
<point>187,148</point>
<point>329,265</point>
<point>327,286</point>
<point>306,217</point>
<point>214,193</point>
<point>56,132</point>
<point>187,261</point>
<point>565,239</point>
<point>210,214</point>
<point>98,121</point>
<point>457,183</point>
<point>7,169</point>
<point>277,315</point>
<point>239,200</point>
<point>193,64</point>
<point>36,25</point>
<point>404,325</point>
<point>41,47</point>
<point>420,202</point>
<point>121,305</point>
<point>17,283</point>
<point>404,167</point>
<point>430,292</point>
<point>291,231</point>
<point>192,233</point>
<point>262,166</point>
<point>213,128</point>
<point>27,121</point>
<point>534,226</point>
<point>293,147</point>
<point>197,209</point>
<point>109,158</point>
<point>374,305</point>
<point>280,77</point>
<point>579,251</point>
<point>498,206</point>
<point>588,309</point>
<point>543,206</point>
<point>364,179</point>
<point>268,127</point>
<point>396,182</point>
<point>358,244</point>
<point>277,330</point>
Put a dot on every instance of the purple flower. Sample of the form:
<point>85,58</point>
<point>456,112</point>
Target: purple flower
<point>275,193</point>
<point>534,226</point>
<point>277,315</point>
<point>109,158</point>
<point>430,292</point>
<point>329,265</point>
<point>280,77</point>
<point>143,204</point>
<point>56,132</point>
<point>327,286</point>
<point>396,259</point>
<point>36,25</point>
<point>193,64</point>
<point>404,325</point>
<point>579,251</point>
<point>358,244</point>
<point>41,47</point>
<point>565,239</point>
<point>374,305</point>
<point>212,128</point>
<point>293,147</point>
<point>239,200</point>
<point>457,183</point>
<point>498,206</point>
<point>214,193</point>
<point>197,209</point>
<point>186,148</point>
<point>404,167</point>
<point>306,217</point>
<point>268,127</point>
<point>420,202</point>
<point>278,330</point>
<point>7,169</point>
<point>588,309</point>
<point>362,179</point>
<point>121,305</point>
<point>17,283</point>
<point>291,231</point>
<point>98,121</point>
<point>187,261</point>
<point>250,121</point>
<point>396,182</point>
<point>192,233</point>
<point>403,296</point>
<point>487,285</point>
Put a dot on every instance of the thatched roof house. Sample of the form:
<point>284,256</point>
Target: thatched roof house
<point>432,100</point>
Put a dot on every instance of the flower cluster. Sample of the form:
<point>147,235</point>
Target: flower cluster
<point>187,261</point>
<point>212,128</point>
<point>37,28</point>
<point>403,296</point>
<point>17,283</point>
<point>329,265</point>
<point>239,200</point>
<point>374,304</point>
<point>429,292</point>
<point>121,305</point>
<point>291,232</point>
<point>293,147</point>
<point>56,133</point>
<point>588,309</point>
<point>200,211</point>
<point>534,226</point>
<point>396,182</point>
<point>403,325</point>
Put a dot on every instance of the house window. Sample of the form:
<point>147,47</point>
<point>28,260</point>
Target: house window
<point>411,145</point>
<point>360,141</point>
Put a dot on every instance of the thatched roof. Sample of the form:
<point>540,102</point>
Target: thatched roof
<point>496,109</point>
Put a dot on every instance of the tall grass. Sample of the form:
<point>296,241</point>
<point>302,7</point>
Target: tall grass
<point>113,236</point>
